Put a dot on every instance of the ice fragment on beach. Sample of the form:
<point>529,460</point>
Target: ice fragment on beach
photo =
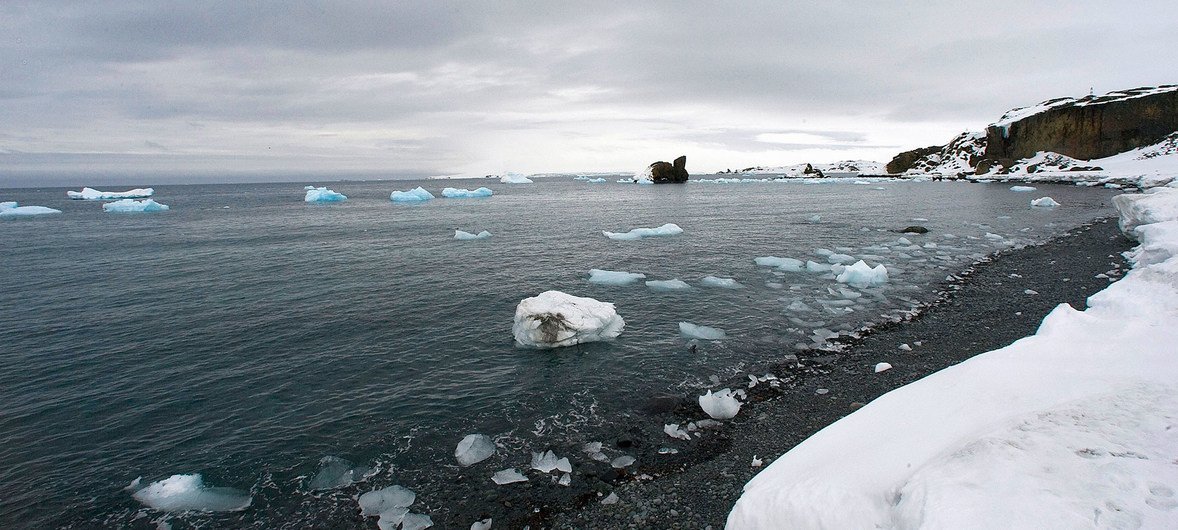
<point>514,178</point>
<point>1023,188</point>
<point>1031,292</point>
<point>132,206</point>
<point>1044,202</point>
<point>418,194</point>
<point>861,275</point>
<point>188,492</point>
<point>379,501</point>
<point>548,461</point>
<point>622,461</point>
<point>673,430</point>
<point>565,479</point>
<point>604,277</point>
<point>612,498</point>
<point>667,285</point>
<point>485,524</point>
<point>322,194</point>
<point>757,462</point>
<point>723,283</point>
<point>467,236</point>
<point>508,476</point>
<point>785,264</point>
<point>553,319</point>
<point>92,194</point>
<point>391,518</point>
<point>474,448</point>
<point>693,331</point>
<point>25,211</point>
<point>905,347</point>
<point>416,521</point>
<point>721,405</point>
<point>880,367</point>
<point>668,229</point>
<point>457,193</point>
<point>335,472</point>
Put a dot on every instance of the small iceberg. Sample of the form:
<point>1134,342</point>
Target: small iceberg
<point>515,178</point>
<point>91,194</point>
<point>474,448</point>
<point>179,493</point>
<point>456,193</point>
<point>667,286</point>
<point>721,283</point>
<point>1023,188</point>
<point>10,209</point>
<point>553,319</point>
<point>418,194</point>
<point>861,275</point>
<point>1044,202</point>
<point>722,405</point>
<point>508,476</point>
<point>548,462</point>
<point>467,236</point>
<point>134,206</point>
<point>604,277</point>
<point>693,331</point>
<point>322,194</point>
<point>669,229</point>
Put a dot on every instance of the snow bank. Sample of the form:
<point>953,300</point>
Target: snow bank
<point>722,405</point>
<point>322,194</point>
<point>474,448</point>
<point>1044,202</point>
<point>553,319</point>
<point>604,277</point>
<point>861,275</point>
<point>1068,428</point>
<point>10,209</point>
<point>514,178</point>
<point>134,206</point>
<point>91,194</point>
<point>456,193</point>
<point>669,229</point>
<point>692,331</point>
<point>418,194</point>
<point>467,236</point>
<point>188,492</point>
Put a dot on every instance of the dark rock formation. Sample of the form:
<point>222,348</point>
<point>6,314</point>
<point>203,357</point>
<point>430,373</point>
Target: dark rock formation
<point>915,229</point>
<point>811,171</point>
<point>904,161</point>
<point>663,173</point>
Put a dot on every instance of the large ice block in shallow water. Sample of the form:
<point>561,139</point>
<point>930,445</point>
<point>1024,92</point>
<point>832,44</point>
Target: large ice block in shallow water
<point>553,319</point>
<point>322,194</point>
<point>418,194</point>
<point>179,493</point>
<point>134,206</point>
<point>91,194</point>
<point>862,275</point>
<point>474,448</point>
<point>456,193</point>
<point>669,229</point>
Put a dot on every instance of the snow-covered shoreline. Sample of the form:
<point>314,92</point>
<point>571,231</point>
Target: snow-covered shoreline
<point>1068,427</point>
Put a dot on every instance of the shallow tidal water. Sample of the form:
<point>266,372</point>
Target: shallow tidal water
<point>245,335</point>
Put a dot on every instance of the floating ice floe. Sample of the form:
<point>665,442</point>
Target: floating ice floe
<point>1044,202</point>
<point>669,229</point>
<point>597,180</point>
<point>514,178</point>
<point>335,472</point>
<point>1023,188</point>
<point>785,264</point>
<point>721,405</point>
<point>667,285</point>
<point>673,430</point>
<point>322,194</point>
<point>862,275</point>
<point>508,476</point>
<point>882,367</point>
<point>722,283</point>
<point>418,194</point>
<point>91,194</point>
<point>10,209</point>
<point>604,277</point>
<point>134,206</point>
<point>467,236</point>
<point>553,319</point>
<point>474,448</point>
<point>692,331</point>
<point>456,193</point>
<point>548,462</point>
<point>179,493</point>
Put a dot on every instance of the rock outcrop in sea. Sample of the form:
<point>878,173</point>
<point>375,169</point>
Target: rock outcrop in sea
<point>664,172</point>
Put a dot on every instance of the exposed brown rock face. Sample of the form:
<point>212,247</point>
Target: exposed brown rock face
<point>663,172</point>
<point>904,161</point>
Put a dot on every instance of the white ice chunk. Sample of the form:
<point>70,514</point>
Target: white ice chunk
<point>823,251</point>
<point>785,264</point>
<point>667,285</point>
<point>508,476</point>
<point>861,275</point>
<point>1044,202</point>
<point>622,461</point>
<point>839,258</point>
<point>391,518</point>
<point>604,277</point>
<point>132,206</point>
<point>1023,188</point>
<point>881,367</point>
<point>565,479</point>
<point>26,211</point>
<point>812,266</point>
<point>553,319</point>
<point>673,430</point>
<point>188,492</point>
<point>456,193</point>
<point>547,462</point>
<point>416,521</point>
<point>669,229</point>
<point>905,347</point>
<point>723,283</point>
<point>757,462</point>
<point>514,178</point>
<point>418,194</point>
<point>378,501</point>
<point>612,498</point>
<point>692,331</point>
<point>467,236</point>
<point>322,194</point>
<point>485,524</point>
<point>91,194</point>
<point>721,405</point>
<point>6,205</point>
<point>474,448</point>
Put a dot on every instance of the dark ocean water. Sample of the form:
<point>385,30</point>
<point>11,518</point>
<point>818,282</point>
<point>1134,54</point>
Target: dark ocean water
<point>245,334</point>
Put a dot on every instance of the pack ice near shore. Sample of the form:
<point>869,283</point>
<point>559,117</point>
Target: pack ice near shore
<point>91,194</point>
<point>1071,427</point>
<point>553,319</point>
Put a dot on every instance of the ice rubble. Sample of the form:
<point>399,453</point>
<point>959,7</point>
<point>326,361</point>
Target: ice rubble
<point>456,193</point>
<point>669,229</point>
<point>322,194</point>
<point>418,194</point>
<point>467,236</point>
<point>391,504</point>
<point>862,275</point>
<point>188,492</point>
<point>548,462</point>
<point>721,405</point>
<point>553,319</point>
<point>604,277</point>
<point>666,286</point>
<point>693,331</point>
<point>1068,428</point>
<point>1045,202</point>
<point>474,448</point>
<point>134,206</point>
<point>514,178</point>
<point>508,476</point>
<point>10,209</point>
<point>722,283</point>
<point>91,194</point>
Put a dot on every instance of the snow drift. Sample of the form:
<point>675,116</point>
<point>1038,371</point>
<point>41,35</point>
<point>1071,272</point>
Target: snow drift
<point>553,319</point>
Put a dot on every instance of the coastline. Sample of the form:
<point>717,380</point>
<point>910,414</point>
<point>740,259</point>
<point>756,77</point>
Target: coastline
<point>986,309</point>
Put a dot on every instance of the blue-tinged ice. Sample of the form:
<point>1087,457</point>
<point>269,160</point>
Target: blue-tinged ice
<point>836,258</point>
<point>322,194</point>
<point>456,193</point>
<point>379,501</point>
<point>484,524</point>
<point>669,229</point>
<point>474,448</point>
<point>604,277</point>
<point>668,285</point>
<point>722,283</point>
<point>91,194</point>
<point>812,266</point>
<point>10,209</point>
<point>785,264</point>
<point>693,331</point>
<point>134,206</point>
<point>862,275</point>
<point>467,236</point>
<point>418,194</point>
<point>6,205</point>
<point>335,472</point>
<point>179,493</point>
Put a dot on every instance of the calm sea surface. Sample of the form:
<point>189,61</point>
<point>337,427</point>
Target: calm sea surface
<point>245,335</point>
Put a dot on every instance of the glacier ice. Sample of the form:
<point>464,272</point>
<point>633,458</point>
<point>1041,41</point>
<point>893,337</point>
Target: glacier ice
<point>547,462</point>
<point>467,236</point>
<point>1023,188</point>
<point>417,194</point>
<point>10,209</point>
<point>693,331</point>
<point>335,472</point>
<point>508,476</point>
<point>322,194</point>
<point>1044,202</point>
<point>456,193</point>
<point>604,277</point>
<point>378,501</point>
<point>474,448</point>
<point>721,405</point>
<point>862,275</point>
<point>133,206</point>
<point>723,283</point>
<point>91,194</point>
<point>514,178</point>
<point>785,264</point>
<point>669,229</point>
<point>188,492</point>
<point>553,319</point>
<point>667,285</point>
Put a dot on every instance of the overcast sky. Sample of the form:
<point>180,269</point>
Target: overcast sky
<point>430,88</point>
